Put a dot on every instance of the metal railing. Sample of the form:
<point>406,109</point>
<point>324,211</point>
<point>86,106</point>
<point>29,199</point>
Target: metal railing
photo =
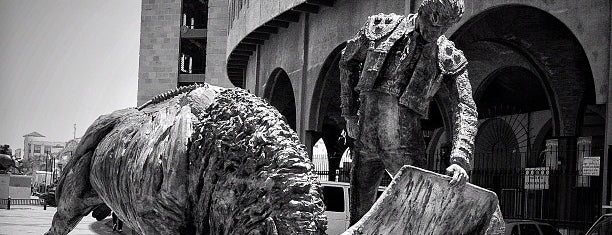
<point>344,175</point>
<point>22,201</point>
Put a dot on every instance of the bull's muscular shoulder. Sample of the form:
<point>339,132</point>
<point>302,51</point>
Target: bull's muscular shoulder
<point>450,59</point>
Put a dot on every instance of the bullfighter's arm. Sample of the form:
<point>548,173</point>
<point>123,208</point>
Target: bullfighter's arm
<point>353,55</point>
<point>465,118</point>
<point>453,64</point>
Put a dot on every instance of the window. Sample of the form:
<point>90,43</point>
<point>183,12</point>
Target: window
<point>548,230</point>
<point>37,148</point>
<point>602,227</point>
<point>529,229</point>
<point>333,197</point>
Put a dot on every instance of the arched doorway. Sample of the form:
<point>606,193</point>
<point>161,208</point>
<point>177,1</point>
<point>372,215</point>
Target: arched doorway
<point>320,160</point>
<point>279,92</point>
<point>326,118</point>
<point>540,43</point>
<point>528,68</point>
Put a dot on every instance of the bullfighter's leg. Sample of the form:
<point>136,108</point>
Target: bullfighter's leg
<point>77,198</point>
<point>366,175</point>
<point>390,137</point>
<point>400,135</point>
<point>367,167</point>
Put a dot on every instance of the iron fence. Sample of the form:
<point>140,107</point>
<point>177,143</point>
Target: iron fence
<point>344,175</point>
<point>21,201</point>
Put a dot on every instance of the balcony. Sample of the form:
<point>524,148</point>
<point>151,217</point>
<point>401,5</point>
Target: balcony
<point>191,78</point>
<point>192,33</point>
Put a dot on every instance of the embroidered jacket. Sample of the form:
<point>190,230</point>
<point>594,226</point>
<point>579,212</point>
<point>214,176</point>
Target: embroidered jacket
<point>387,56</point>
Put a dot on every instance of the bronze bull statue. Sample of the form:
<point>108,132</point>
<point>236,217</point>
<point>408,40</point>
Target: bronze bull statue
<point>198,160</point>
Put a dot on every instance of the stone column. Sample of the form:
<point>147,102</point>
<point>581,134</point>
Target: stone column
<point>218,22</point>
<point>159,47</point>
<point>567,178</point>
<point>606,195</point>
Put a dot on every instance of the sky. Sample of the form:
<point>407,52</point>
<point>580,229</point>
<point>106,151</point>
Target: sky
<point>65,62</point>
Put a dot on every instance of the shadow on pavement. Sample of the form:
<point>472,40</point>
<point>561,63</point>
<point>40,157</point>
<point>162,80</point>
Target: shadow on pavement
<point>106,227</point>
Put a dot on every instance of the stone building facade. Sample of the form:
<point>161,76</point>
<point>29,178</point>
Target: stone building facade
<point>540,71</point>
<point>181,43</point>
<point>38,152</point>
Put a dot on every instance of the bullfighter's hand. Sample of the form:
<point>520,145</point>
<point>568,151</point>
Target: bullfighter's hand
<point>460,176</point>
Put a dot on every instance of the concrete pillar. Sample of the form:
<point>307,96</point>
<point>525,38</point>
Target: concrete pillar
<point>218,21</point>
<point>411,6</point>
<point>567,156</point>
<point>159,47</point>
<point>304,80</point>
<point>606,195</point>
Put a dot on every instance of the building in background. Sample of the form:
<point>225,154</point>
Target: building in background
<point>540,73</point>
<point>64,155</point>
<point>38,153</point>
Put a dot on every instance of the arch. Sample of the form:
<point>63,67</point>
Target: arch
<point>320,160</point>
<point>513,86</point>
<point>495,138</point>
<point>325,116</point>
<point>279,92</point>
<point>574,16</point>
<point>554,53</point>
<point>326,89</point>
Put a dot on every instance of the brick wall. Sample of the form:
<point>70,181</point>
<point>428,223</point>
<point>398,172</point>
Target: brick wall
<point>159,47</point>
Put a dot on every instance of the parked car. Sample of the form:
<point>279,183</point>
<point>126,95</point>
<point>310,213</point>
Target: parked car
<point>603,226</point>
<point>529,227</point>
<point>336,196</point>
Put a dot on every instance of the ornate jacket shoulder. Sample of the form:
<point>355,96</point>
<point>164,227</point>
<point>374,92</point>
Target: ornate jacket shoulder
<point>450,59</point>
<point>374,31</point>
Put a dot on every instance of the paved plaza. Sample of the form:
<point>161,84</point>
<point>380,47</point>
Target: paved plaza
<point>34,220</point>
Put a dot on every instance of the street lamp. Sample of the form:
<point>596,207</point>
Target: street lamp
<point>46,170</point>
<point>52,169</point>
